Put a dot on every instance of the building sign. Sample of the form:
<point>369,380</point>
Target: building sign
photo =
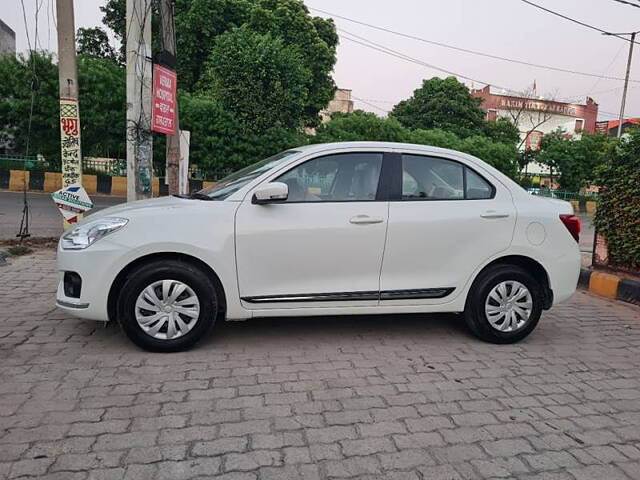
<point>517,104</point>
<point>70,142</point>
<point>164,100</point>
<point>72,201</point>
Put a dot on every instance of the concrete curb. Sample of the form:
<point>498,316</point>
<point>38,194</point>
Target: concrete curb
<point>610,286</point>
<point>38,181</point>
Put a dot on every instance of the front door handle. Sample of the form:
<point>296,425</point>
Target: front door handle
<point>365,220</point>
<point>494,214</point>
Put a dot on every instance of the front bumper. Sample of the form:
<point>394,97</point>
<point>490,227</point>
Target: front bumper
<point>97,266</point>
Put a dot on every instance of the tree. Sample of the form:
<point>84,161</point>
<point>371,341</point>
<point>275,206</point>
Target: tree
<point>576,161</point>
<point>94,42</point>
<point>316,38</point>
<point>219,142</point>
<point>446,104</point>
<point>101,99</point>
<point>103,116</point>
<point>502,130</point>
<point>360,125</point>
<point>19,78</point>
<point>200,22</point>
<point>258,78</point>
<point>502,156</point>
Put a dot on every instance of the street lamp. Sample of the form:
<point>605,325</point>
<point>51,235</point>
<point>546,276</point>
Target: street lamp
<point>626,78</point>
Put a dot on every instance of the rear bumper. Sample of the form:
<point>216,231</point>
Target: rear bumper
<point>564,272</point>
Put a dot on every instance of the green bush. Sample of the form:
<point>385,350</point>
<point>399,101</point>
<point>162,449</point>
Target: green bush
<point>618,213</point>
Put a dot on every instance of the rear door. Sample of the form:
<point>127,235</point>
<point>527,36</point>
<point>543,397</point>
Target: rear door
<point>445,220</point>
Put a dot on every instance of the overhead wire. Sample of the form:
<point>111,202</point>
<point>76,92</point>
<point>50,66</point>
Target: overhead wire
<point>388,51</point>
<point>586,25</point>
<point>371,105</point>
<point>469,51</point>
<point>628,3</point>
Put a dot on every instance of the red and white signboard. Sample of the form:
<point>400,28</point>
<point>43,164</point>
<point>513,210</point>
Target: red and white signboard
<point>164,100</point>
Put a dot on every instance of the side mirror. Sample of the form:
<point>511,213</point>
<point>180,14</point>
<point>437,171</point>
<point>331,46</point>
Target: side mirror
<point>273,192</point>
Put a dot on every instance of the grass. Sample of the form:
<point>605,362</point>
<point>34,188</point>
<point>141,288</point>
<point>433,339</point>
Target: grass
<point>19,250</point>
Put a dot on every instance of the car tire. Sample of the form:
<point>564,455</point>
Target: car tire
<point>493,299</point>
<point>167,306</point>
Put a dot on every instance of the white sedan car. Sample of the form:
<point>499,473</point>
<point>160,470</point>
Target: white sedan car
<point>345,228</point>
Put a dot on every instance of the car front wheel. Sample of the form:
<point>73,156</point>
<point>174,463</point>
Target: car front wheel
<point>167,306</point>
<point>504,304</point>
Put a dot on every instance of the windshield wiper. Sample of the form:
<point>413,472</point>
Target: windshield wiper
<point>200,196</point>
<point>195,196</point>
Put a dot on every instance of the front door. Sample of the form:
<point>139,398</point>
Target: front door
<point>324,245</point>
<point>445,220</point>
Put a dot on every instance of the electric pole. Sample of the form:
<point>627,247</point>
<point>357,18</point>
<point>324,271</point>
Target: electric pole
<point>173,141</point>
<point>139,139</point>
<point>626,77</point>
<point>70,148</point>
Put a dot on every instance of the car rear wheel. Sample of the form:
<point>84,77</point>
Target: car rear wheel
<point>504,304</point>
<point>167,306</point>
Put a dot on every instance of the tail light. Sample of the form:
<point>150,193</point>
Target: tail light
<point>573,225</point>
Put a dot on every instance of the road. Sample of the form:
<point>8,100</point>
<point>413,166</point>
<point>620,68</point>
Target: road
<point>366,397</point>
<point>46,220</point>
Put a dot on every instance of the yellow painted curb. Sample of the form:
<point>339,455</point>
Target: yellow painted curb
<point>52,181</point>
<point>591,206</point>
<point>155,187</point>
<point>119,186</point>
<point>604,284</point>
<point>90,183</point>
<point>18,179</point>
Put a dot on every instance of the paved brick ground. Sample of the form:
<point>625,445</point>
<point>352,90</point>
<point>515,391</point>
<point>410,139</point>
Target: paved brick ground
<point>398,397</point>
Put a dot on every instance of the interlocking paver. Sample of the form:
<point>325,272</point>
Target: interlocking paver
<point>401,397</point>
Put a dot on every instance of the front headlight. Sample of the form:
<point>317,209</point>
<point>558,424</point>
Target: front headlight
<point>90,232</point>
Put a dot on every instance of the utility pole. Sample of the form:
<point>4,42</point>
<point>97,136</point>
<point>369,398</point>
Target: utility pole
<point>70,150</point>
<point>173,141</point>
<point>139,139</point>
<point>626,77</point>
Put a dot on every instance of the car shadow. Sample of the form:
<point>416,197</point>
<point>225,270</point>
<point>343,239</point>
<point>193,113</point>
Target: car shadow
<point>345,329</point>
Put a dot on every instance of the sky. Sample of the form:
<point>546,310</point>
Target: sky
<point>507,28</point>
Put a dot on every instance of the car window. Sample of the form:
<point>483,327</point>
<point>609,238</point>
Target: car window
<point>431,178</point>
<point>477,188</point>
<point>335,178</point>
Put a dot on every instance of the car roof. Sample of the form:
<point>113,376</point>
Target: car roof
<point>385,145</point>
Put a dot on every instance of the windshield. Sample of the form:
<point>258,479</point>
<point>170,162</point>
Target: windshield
<point>234,182</point>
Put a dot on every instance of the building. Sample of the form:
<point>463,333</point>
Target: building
<point>535,116</point>
<point>341,103</point>
<point>610,127</point>
<point>7,40</point>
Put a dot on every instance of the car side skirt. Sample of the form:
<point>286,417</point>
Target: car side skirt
<point>351,296</point>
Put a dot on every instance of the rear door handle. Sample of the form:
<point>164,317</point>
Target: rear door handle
<point>365,220</point>
<point>494,214</point>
